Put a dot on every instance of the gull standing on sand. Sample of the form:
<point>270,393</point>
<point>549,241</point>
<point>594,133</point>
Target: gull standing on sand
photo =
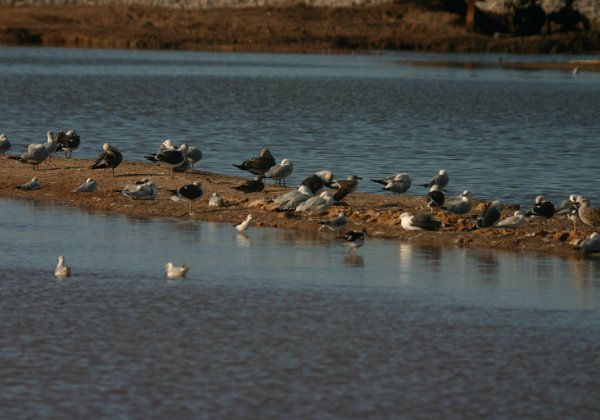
<point>62,271</point>
<point>34,184</point>
<point>35,154</point>
<point>354,240</point>
<point>243,226</point>
<point>258,165</point>
<point>420,221</point>
<point>174,272</point>
<point>317,204</point>
<point>278,173</point>
<point>542,208</point>
<point>336,223</point>
<point>290,200</point>
<point>441,179</point>
<point>190,193</point>
<point>255,185</point>
<point>142,191</point>
<point>110,157</point>
<point>588,215</point>
<point>459,205</point>
<point>490,216</point>
<point>345,187</point>
<point>170,159</point>
<point>435,197</point>
<point>318,180</point>
<point>87,187</point>
<point>51,144</point>
<point>4,144</point>
<point>591,244</point>
<point>514,221</point>
<point>194,155</point>
<point>68,142</point>
<point>396,184</point>
<point>216,200</point>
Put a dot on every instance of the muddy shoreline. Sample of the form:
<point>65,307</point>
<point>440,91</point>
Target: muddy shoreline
<point>378,214</point>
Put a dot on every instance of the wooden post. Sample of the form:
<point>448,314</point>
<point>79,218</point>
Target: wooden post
<point>470,14</point>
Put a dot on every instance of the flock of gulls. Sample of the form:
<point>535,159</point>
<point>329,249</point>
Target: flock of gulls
<point>316,193</point>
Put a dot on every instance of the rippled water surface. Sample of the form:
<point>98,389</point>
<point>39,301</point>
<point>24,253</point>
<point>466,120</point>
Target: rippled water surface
<point>285,324</point>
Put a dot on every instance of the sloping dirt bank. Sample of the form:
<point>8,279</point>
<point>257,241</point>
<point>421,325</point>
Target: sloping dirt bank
<point>378,214</point>
<point>410,26</point>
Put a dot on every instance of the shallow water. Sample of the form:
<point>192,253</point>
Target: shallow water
<point>284,323</point>
<point>506,134</point>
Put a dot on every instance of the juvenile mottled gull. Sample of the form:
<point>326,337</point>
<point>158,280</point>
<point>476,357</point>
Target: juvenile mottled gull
<point>258,165</point>
<point>87,187</point>
<point>459,205</point>
<point>440,179</point>
<point>279,172</point>
<point>62,270</point>
<point>4,144</point>
<point>110,157</point>
<point>174,272</point>
<point>345,187</point>
<point>34,184</point>
<point>420,221</point>
<point>588,215</point>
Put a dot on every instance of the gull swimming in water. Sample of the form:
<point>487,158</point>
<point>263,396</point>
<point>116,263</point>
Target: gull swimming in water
<point>34,184</point>
<point>174,272</point>
<point>110,157</point>
<point>62,270</point>
<point>87,187</point>
<point>490,216</point>
<point>588,215</point>
<point>243,226</point>
<point>278,173</point>
<point>336,223</point>
<point>354,240</point>
<point>143,191</point>
<point>5,144</point>
<point>441,179</point>
<point>216,200</point>
<point>68,142</point>
<point>258,165</point>
<point>591,244</point>
<point>190,193</point>
<point>170,159</point>
<point>318,204</point>
<point>255,185</point>
<point>459,205</point>
<point>396,184</point>
<point>420,221</point>
<point>290,200</point>
<point>318,180</point>
<point>514,221</point>
<point>345,187</point>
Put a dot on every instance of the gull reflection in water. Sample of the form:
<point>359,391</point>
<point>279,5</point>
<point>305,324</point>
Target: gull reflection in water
<point>242,240</point>
<point>354,260</point>
<point>586,271</point>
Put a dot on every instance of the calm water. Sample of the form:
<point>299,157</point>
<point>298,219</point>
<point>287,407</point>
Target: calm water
<point>283,324</point>
<point>503,134</point>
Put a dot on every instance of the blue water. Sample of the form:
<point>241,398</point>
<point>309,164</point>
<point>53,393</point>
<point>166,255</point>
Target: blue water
<point>285,324</point>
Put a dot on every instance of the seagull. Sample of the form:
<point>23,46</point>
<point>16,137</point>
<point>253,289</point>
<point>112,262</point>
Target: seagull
<point>194,155</point>
<point>490,216</point>
<point>290,200</point>
<point>35,154</point>
<point>170,158</point>
<point>216,200</point>
<point>514,221</point>
<point>570,208</point>
<point>62,271</point>
<point>87,187</point>
<point>396,184</point>
<point>67,142</point>
<point>459,205</point>
<point>143,191</point>
<point>336,223</point>
<point>5,144</point>
<point>588,215</point>
<point>435,197</point>
<point>354,240</point>
<point>280,172</point>
<point>317,204</point>
<point>241,227</point>
<point>111,157</point>
<point>440,179</point>
<point>51,144</point>
<point>345,187</point>
<point>174,272</point>
<point>591,244</point>
<point>258,165</point>
<point>318,180</point>
<point>190,193</point>
<point>420,221</point>
<point>542,208</point>
<point>255,185</point>
<point>34,184</point>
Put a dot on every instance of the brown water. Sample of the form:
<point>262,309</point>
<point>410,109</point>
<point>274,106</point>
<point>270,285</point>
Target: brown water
<point>282,325</point>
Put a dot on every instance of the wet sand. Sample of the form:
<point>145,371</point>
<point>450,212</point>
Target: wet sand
<point>378,214</point>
